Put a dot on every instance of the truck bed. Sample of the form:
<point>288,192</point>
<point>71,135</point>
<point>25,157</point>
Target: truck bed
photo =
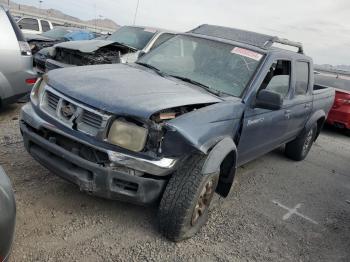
<point>323,97</point>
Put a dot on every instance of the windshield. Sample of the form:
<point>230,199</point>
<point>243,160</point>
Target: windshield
<point>57,33</point>
<point>216,65</point>
<point>135,37</point>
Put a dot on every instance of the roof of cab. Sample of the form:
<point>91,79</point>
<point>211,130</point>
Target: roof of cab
<point>262,41</point>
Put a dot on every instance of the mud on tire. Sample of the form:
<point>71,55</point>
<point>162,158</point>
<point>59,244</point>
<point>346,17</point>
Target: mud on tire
<point>180,212</point>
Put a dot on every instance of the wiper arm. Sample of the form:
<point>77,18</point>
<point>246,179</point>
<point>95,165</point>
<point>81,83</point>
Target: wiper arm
<point>155,69</point>
<point>191,81</point>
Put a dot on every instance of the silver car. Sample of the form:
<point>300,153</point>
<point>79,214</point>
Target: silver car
<point>16,62</point>
<point>7,215</point>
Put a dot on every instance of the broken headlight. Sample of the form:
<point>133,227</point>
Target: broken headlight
<point>37,91</point>
<point>128,135</point>
<point>32,46</point>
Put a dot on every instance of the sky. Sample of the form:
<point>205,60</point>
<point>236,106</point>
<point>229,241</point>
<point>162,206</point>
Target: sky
<point>323,26</point>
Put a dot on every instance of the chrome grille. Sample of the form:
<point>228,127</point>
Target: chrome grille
<point>92,119</point>
<point>52,100</point>
<point>72,113</point>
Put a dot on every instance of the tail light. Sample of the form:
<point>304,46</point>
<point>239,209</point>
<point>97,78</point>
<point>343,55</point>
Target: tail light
<point>25,48</point>
<point>31,81</point>
<point>341,99</point>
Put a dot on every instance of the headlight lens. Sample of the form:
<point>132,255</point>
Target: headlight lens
<point>37,91</point>
<point>128,135</point>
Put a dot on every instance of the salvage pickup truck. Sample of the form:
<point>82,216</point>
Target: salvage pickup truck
<point>175,125</point>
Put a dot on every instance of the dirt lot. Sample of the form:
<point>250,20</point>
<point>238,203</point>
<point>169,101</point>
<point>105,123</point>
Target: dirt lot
<point>278,210</point>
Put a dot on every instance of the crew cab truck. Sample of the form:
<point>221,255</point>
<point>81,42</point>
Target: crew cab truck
<point>175,125</point>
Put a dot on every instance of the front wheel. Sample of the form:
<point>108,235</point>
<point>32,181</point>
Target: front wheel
<point>184,206</point>
<point>300,147</point>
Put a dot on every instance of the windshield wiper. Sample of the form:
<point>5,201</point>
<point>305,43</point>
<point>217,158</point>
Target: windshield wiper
<point>155,69</point>
<point>191,81</point>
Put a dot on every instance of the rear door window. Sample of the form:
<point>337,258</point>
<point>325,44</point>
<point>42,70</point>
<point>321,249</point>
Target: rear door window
<point>45,25</point>
<point>29,23</point>
<point>302,78</point>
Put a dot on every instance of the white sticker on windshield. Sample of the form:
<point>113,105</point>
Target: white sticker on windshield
<point>247,53</point>
<point>149,30</point>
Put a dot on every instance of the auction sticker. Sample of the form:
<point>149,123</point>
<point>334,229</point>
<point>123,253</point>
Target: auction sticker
<point>247,53</point>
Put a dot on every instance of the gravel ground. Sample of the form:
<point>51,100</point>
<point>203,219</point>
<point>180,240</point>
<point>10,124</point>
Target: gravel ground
<point>56,222</point>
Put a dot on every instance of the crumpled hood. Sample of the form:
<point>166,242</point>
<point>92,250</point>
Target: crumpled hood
<point>126,89</point>
<point>85,46</point>
<point>32,37</point>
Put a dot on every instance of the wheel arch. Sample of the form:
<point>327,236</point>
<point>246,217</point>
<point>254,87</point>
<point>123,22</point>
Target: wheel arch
<point>222,159</point>
<point>319,118</point>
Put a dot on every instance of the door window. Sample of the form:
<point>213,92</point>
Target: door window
<point>29,23</point>
<point>302,78</point>
<point>278,78</point>
<point>45,25</point>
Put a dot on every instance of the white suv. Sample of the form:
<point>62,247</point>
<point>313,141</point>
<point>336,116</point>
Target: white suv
<point>34,25</point>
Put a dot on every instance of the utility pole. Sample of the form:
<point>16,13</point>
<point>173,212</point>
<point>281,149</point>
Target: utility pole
<point>137,8</point>
<point>95,17</point>
<point>40,2</point>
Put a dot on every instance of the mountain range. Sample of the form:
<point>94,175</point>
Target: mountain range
<point>106,22</point>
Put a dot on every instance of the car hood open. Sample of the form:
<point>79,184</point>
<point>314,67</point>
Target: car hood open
<point>126,89</point>
<point>33,37</point>
<point>85,46</point>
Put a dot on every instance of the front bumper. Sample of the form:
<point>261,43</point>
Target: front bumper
<point>91,177</point>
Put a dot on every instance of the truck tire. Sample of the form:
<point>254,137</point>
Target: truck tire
<point>183,209</point>
<point>300,147</point>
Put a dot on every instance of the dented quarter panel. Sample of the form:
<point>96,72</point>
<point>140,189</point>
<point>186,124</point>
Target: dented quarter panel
<point>205,127</point>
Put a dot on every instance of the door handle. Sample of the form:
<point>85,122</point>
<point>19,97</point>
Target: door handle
<point>307,105</point>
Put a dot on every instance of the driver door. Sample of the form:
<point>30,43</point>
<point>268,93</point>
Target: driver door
<point>265,129</point>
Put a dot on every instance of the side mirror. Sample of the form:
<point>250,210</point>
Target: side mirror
<point>141,54</point>
<point>269,100</point>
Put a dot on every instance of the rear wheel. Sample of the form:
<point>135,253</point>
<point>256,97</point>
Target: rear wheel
<point>184,207</point>
<point>300,147</point>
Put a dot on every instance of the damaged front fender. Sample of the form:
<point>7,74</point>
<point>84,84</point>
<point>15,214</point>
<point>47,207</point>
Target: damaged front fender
<point>202,129</point>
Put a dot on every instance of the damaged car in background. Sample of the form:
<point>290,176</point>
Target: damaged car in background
<point>56,35</point>
<point>175,125</point>
<point>122,46</point>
